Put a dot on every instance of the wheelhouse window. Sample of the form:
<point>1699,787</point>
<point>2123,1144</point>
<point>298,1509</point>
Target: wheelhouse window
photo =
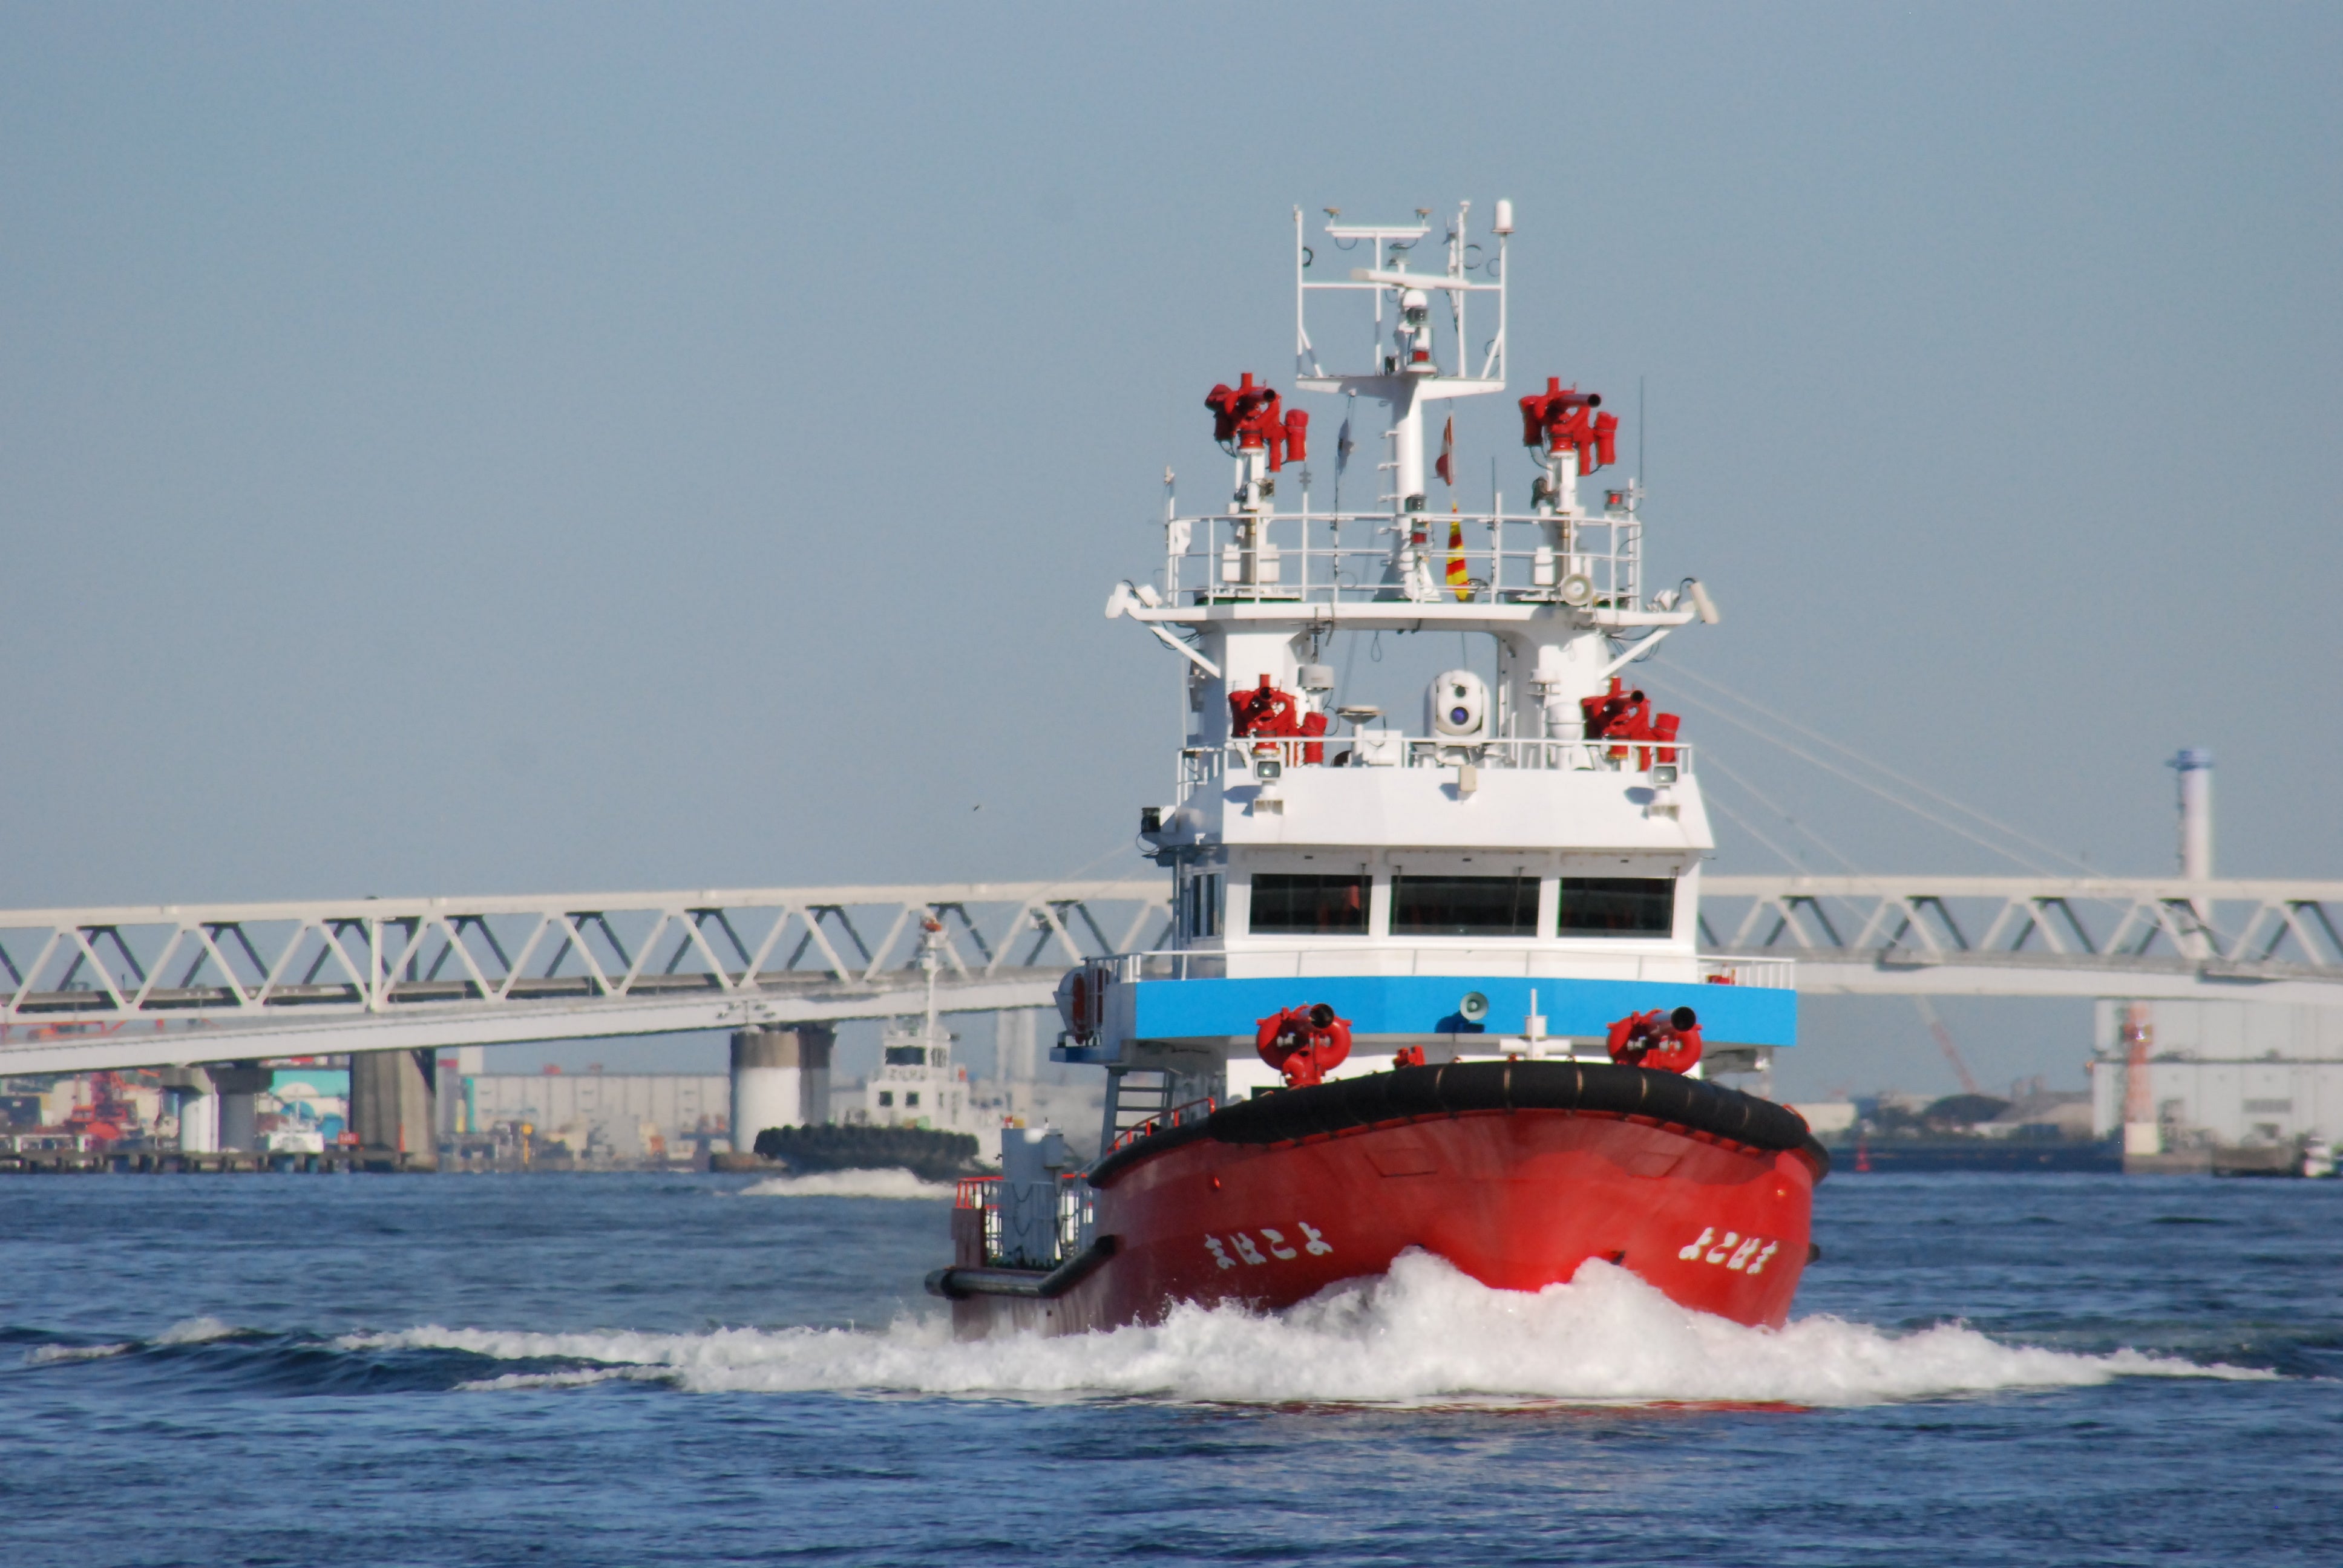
<point>1309,905</point>
<point>1464,906</point>
<point>1199,914</point>
<point>1618,907</point>
<point>907,1056</point>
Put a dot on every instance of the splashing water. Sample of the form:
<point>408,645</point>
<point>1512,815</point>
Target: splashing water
<point>1422,1333</point>
<point>189,1331</point>
<point>892,1183</point>
<point>197,1331</point>
<point>46,1355</point>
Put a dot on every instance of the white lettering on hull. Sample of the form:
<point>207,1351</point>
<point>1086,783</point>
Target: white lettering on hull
<point>1313,1241</point>
<point>1742,1255</point>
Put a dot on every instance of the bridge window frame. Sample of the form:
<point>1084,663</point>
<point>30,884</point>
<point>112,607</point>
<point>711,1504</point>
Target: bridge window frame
<point>1445,904</point>
<point>1198,915</point>
<point>1615,907</point>
<point>1298,903</point>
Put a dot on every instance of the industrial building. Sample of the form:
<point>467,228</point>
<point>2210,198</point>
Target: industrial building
<point>2175,1076</point>
<point>621,1116</point>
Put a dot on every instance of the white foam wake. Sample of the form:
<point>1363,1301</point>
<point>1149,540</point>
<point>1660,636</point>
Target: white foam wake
<point>187,1331</point>
<point>42,1355</point>
<point>196,1331</point>
<point>1422,1333</point>
<point>893,1182</point>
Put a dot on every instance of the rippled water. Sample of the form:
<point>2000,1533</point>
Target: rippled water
<point>621,1370</point>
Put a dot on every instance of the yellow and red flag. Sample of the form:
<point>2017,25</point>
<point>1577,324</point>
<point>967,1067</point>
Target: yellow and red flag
<point>1460,582</point>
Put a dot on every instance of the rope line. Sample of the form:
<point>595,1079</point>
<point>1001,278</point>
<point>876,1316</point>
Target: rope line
<point>1936,795</point>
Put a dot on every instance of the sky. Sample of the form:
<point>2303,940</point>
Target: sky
<point>460,448</point>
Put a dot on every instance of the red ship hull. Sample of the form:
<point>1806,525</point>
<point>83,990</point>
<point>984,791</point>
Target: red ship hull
<point>1517,1196</point>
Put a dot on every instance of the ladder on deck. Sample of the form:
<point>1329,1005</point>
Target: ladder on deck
<point>1136,1095</point>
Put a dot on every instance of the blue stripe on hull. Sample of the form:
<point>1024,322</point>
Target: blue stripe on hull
<point>1427,1005</point>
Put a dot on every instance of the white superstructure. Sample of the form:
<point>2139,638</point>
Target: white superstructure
<point>917,1083</point>
<point>1534,824</point>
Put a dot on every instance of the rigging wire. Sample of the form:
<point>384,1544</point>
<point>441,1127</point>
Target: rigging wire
<point>1073,878</point>
<point>1749,827</point>
<point>1920,1003</point>
<point>1858,781</point>
<point>1937,796</point>
<point>1709,760</point>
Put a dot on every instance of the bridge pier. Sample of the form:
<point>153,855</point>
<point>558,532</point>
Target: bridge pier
<point>781,1077</point>
<point>194,1101</point>
<point>392,1110</point>
<point>236,1088</point>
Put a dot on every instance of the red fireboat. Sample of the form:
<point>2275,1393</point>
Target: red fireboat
<point>1437,987</point>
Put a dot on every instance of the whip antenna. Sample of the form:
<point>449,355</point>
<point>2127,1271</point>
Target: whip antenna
<point>1641,482</point>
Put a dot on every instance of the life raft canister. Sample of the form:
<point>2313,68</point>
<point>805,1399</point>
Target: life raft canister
<point>1304,1043</point>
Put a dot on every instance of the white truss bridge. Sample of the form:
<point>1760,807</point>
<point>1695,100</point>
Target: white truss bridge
<point>162,985</point>
<point>2143,938</point>
<point>173,984</point>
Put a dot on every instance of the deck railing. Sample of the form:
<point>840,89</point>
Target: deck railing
<point>1657,762</point>
<point>1076,1215</point>
<point>1178,1116</point>
<point>1368,957</point>
<point>1521,558</point>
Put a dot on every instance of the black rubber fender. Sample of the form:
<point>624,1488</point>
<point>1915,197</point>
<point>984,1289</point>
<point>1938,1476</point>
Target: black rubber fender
<point>1456,1088</point>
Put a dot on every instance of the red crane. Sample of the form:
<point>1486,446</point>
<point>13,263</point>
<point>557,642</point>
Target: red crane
<point>1945,1043</point>
<point>109,1115</point>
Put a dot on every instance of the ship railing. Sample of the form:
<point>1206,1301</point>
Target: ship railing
<point>982,1193</point>
<point>1766,971</point>
<point>1655,762</point>
<point>1076,1217</point>
<point>1077,1214</point>
<point>1192,1110</point>
<point>1590,562</point>
<point>1348,956</point>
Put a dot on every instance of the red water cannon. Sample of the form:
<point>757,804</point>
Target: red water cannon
<point>1304,1043</point>
<point>1264,710</point>
<point>1662,1041</point>
<point>1604,709</point>
<point>1563,417</point>
<point>1253,419</point>
<point>1237,410</point>
<point>1620,715</point>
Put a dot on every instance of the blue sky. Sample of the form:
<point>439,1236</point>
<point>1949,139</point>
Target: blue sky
<point>477,448</point>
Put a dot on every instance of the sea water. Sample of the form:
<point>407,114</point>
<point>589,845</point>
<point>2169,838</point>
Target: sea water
<point>693,1370</point>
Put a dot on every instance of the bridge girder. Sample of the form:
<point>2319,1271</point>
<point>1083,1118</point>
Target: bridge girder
<point>167,985</point>
<point>2261,941</point>
<point>150,986</point>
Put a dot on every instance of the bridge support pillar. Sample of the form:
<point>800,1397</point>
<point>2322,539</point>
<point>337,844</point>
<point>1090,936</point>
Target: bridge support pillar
<point>781,1077</point>
<point>237,1088</point>
<point>391,1109</point>
<point>195,1102</point>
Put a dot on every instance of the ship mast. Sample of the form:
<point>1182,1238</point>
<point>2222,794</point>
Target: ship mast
<point>1404,373</point>
<point>931,933</point>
